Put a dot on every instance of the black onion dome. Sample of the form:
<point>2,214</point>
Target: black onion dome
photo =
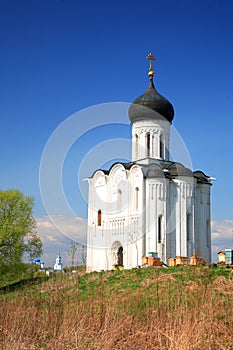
<point>158,107</point>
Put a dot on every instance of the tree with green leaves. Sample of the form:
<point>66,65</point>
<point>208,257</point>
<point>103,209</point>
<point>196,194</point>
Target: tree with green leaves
<point>17,228</point>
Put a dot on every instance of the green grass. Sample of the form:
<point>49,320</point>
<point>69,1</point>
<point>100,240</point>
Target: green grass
<point>113,282</point>
<point>167,308</point>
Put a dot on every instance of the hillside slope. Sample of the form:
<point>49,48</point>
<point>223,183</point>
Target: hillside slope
<point>150,308</point>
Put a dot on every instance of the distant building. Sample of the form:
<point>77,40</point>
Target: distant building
<point>58,263</point>
<point>221,257</point>
<point>225,257</point>
<point>151,204</point>
<point>229,256</point>
<point>36,261</point>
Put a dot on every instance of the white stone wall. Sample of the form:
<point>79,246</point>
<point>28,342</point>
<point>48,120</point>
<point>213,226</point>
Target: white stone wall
<point>119,196</point>
<point>130,218</point>
<point>184,206</point>
<point>173,200</point>
<point>202,221</point>
<point>156,207</point>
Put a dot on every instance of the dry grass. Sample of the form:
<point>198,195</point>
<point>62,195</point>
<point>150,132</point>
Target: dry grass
<point>121,310</point>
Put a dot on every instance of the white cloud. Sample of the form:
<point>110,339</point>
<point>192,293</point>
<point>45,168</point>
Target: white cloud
<point>222,236</point>
<point>57,232</point>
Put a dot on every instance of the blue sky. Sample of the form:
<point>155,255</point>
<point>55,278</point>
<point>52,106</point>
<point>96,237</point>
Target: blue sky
<point>60,56</point>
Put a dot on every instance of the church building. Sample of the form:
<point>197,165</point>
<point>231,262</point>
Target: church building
<point>151,204</point>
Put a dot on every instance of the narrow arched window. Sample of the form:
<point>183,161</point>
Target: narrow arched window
<point>136,148</point>
<point>148,144</point>
<point>189,227</point>
<point>136,198</point>
<point>159,229</point>
<point>161,147</point>
<point>99,217</point>
<point>208,233</point>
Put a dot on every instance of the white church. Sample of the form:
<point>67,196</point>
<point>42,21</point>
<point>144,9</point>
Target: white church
<point>151,204</point>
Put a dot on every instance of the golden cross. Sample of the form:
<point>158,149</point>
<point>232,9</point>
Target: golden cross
<point>151,58</point>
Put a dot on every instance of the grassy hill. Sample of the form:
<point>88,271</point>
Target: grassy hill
<point>150,308</point>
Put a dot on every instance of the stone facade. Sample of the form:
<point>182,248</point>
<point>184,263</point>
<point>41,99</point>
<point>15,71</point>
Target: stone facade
<point>151,204</point>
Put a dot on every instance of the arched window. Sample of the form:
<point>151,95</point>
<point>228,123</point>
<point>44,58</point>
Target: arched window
<point>136,148</point>
<point>189,227</point>
<point>148,144</point>
<point>136,198</point>
<point>208,233</point>
<point>161,147</point>
<point>160,229</point>
<point>99,217</point>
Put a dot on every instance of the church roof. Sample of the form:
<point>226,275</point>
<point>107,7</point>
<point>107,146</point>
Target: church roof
<point>162,168</point>
<point>151,105</point>
<point>201,177</point>
<point>177,169</point>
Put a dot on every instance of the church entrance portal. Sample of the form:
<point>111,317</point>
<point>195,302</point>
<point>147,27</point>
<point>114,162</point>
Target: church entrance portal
<point>120,256</point>
<point>117,253</point>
